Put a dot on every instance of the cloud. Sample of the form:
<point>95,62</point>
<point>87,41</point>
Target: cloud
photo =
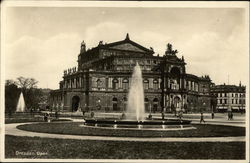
<point>210,53</point>
<point>43,60</point>
<point>105,31</point>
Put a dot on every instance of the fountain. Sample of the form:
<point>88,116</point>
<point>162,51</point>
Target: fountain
<point>21,104</point>
<point>135,107</point>
<point>135,118</point>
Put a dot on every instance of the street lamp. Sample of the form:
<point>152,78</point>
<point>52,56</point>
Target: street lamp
<point>150,110</point>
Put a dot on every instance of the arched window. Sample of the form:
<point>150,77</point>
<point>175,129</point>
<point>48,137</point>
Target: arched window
<point>98,83</point>
<point>115,84</point>
<point>125,83</point>
<point>115,105</point>
<point>145,83</point>
<point>156,84</point>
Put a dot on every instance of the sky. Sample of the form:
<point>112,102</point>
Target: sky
<point>42,42</point>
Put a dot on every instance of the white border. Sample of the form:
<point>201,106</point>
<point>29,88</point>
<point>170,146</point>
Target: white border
<point>148,4</point>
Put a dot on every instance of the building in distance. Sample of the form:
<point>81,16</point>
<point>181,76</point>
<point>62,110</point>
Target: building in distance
<point>230,97</point>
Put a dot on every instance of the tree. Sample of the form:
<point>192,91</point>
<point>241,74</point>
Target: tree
<point>30,92</point>
<point>26,83</point>
<point>33,96</point>
<point>12,93</point>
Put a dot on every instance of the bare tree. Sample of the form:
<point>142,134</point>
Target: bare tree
<point>26,83</point>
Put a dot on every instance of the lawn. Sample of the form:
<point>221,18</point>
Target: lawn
<point>34,147</point>
<point>203,130</point>
<point>31,119</point>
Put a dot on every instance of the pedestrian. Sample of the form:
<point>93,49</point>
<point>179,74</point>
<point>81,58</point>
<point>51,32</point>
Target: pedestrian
<point>56,115</point>
<point>202,118</point>
<point>162,115</point>
<point>212,115</point>
<point>45,118</point>
<point>229,115</point>
<point>180,115</point>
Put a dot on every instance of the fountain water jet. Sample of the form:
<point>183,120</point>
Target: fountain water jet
<point>21,104</point>
<point>136,96</point>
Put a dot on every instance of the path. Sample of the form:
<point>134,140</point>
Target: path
<point>10,129</point>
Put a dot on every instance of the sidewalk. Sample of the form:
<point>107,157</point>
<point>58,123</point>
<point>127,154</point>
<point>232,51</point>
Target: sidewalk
<point>10,129</point>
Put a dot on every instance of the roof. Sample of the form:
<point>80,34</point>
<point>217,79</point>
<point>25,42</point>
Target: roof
<point>126,45</point>
<point>225,87</point>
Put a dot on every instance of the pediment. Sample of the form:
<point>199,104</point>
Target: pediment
<point>128,46</point>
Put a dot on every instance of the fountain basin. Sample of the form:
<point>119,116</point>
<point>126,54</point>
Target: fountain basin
<point>134,122</point>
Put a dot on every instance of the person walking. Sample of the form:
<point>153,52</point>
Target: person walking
<point>229,115</point>
<point>202,118</point>
<point>232,115</point>
<point>212,115</point>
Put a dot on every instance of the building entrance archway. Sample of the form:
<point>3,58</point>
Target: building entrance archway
<point>177,103</point>
<point>75,103</point>
<point>115,104</point>
<point>155,104</point>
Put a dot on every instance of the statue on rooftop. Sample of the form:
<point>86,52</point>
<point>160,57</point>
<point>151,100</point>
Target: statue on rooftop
<point>170,50</point>
<point>83,46</point>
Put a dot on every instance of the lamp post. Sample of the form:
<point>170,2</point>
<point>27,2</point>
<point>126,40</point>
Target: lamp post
<point>150,111</point>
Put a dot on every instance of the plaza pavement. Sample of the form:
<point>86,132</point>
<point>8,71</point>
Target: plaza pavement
<point>11,129</point>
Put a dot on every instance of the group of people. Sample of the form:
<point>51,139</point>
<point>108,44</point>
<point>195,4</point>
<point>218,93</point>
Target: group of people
<point>47,116</point>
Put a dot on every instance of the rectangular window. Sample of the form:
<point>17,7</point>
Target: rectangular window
<point>225,100</point>
<point>232,95</point>
<point>221,101</point>
<point>236,94</point>
<point>225,94</point>
<point>236,101</point>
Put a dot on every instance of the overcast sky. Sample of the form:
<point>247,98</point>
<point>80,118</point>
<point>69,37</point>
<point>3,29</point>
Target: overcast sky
<point>41,42</point>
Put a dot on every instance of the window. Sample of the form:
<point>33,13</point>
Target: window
<point>232,95</point>
<point>98,83</point>
<point>125,84</point>
<point>225,94</point>
<point>146,84</point>
<point>155,84</point>
<point>236,101</point>
<point>232,101</point>
<point>225,101</point>
<point>239,101</point>
<point>115,84</point>
<point>220,101</point>
<point>236,94</point>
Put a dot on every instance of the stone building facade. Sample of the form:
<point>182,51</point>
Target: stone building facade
<point>101,80</point>
<point>230,97</point>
